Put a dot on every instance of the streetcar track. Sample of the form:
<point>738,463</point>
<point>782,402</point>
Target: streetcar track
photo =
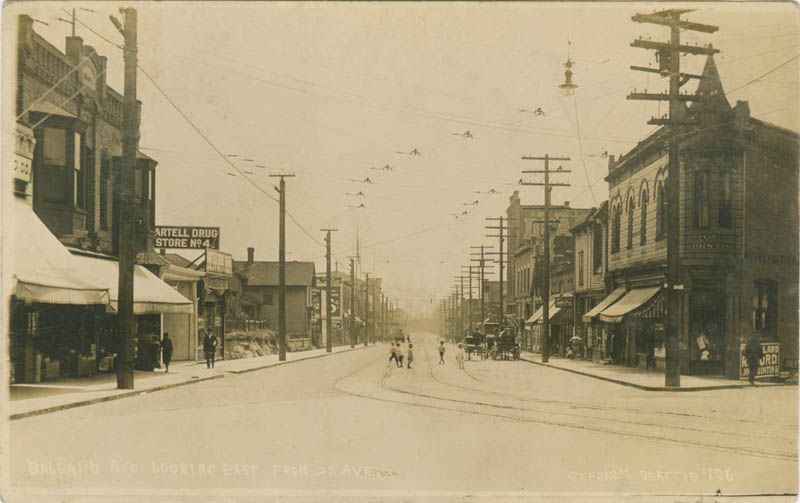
<point>523,419</point>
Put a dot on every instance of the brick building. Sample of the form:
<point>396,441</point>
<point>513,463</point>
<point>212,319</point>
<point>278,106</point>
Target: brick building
<point>738,239</point>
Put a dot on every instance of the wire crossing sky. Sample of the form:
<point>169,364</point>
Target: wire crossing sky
<point>405,121</point>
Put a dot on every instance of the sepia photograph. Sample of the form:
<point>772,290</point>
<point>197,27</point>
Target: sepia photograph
<point>396,251</point>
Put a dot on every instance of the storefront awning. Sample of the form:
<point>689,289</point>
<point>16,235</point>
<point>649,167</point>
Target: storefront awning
<point>612,297</point>
<point>537,316</point>
<point>631,301</point>
<point>44,270</point>
<point>151,295</point>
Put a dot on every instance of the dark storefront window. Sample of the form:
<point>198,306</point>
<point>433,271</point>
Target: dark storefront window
<point>701,199</point>
<point>725,201</point>
<point>765,309</point>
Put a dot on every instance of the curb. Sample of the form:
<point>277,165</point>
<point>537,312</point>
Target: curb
<point>270,365</point>
<point>652,388</point>
<point>109,398</point>
<point>130,394</point>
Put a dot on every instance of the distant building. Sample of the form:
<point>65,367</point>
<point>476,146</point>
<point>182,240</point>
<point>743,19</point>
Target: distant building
<point>261,283</point>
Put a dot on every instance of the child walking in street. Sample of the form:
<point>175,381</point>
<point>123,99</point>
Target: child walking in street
<point>441,352</point>
<point>393,355</point>
<point>460,356</point>
<point>399,356</point>
<point>410,355</point>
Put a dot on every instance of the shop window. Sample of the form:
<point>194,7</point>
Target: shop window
<point>661,212</point>
<point>597,248</point>
<point>139,184</point>
<point>615,228</point>
<point>725,200</point>
<point>701,199</point>
<point>631,207</point>
<point>765,309</point>
<point>580,268</point>
<point>643,200</point>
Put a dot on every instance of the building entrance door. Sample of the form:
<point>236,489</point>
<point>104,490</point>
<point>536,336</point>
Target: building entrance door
<point>707,332</point>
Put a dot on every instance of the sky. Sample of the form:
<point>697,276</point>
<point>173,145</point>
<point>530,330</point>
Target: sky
<point>334,92</point>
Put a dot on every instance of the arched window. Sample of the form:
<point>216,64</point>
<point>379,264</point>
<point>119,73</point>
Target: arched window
<point>643,200</point>
<point>661,212</point>
<point>631,206</point>
<point>616,216</point>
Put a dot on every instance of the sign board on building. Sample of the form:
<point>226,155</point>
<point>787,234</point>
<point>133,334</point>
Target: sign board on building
<point>564,302</point>
<point>336,295</point>
<point>219,262</point>
<point>769,365</point>
<point>186,237</point>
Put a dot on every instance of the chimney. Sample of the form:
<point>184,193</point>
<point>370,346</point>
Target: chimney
<point>74,49</point>
<point>566,204</point>
<point>250,255</point>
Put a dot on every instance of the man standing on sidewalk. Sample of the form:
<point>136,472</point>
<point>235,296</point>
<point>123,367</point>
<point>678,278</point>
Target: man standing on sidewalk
<point>210,348</point>
<point>753,352</point>
<point>166,351</point>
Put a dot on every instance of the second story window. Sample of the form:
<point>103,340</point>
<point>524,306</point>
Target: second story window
<point>597,248</point>
<point>765,308</point>
<point>53,181</point>
<point>580,268</point>
<point>725,200</point>
<point>616,216</point>
<point>105,182</point>
<point>644,199</point>
<point>631,206</point>
<point>661,212</point>
<point>701,199</point>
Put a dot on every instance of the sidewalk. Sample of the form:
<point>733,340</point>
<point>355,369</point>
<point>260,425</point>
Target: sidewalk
<point>647,380</point>
<point>26,400</point>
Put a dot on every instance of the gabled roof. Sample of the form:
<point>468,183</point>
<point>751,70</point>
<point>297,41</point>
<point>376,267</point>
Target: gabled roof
<point>589,217</point>
<point>266,273</point>
<point>178,260</point>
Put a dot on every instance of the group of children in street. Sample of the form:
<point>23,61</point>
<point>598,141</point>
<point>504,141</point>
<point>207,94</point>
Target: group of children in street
<point>397,354</point>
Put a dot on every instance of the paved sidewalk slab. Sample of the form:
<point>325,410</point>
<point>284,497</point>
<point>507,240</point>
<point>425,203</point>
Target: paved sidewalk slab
<point>27,400</point>
<point>647,380</point>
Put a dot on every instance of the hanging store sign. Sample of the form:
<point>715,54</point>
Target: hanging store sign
<point>170,236</point>
<point>769,364</point>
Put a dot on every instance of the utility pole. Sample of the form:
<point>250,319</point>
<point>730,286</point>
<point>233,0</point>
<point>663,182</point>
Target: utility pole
<point>546,262</point>
<point>375,301</point>
<point>481,289</point>
<point>469,295</point>
<point>501,261</point>
<point>282,266</point>
<point>668,56</point>
<point>328,324</point>
<point>352,302</point>
<point>127,243</point>
<point>366,310</point>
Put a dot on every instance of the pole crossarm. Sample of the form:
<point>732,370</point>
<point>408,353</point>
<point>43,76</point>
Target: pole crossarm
<point>662,19</point>
<point>542,184</point>
<point>544,158</point>
<point>665,73</point>
<point>664,46</point>
<point>541,171</point>
<point>662,97</point>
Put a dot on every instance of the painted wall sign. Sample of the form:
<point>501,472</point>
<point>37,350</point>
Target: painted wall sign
<point>185,237</point>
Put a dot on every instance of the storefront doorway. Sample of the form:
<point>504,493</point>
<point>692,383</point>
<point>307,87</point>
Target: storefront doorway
<point>706,332</point>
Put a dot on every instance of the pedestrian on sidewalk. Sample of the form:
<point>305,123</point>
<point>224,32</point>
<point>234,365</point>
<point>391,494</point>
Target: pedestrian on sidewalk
<point>441,352</point>
<point>166,351</point>
<point>393,355</point>
<point>460,356</point>
<point>410,355</point>
<point>210,348</point>
<point>399,356</point>
<point>753,353</point>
